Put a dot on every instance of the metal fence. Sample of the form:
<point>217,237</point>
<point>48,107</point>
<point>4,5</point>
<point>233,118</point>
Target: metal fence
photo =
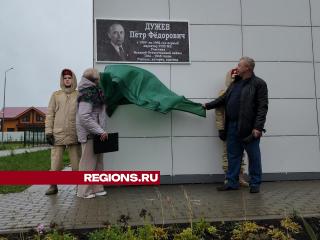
<point>34,135</point>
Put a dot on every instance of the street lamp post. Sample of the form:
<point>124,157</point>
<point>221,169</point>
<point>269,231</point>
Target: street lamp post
<point>4,102</point>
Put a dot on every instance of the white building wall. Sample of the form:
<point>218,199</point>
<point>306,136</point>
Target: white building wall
<point>284,39</point>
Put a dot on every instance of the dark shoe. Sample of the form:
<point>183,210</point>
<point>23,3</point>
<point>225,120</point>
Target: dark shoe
<point>53,189</point>
<point>254,190</point>
<point>226,187</point>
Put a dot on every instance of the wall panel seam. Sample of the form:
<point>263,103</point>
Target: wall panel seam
<point>171,112</point>
<point>270,98</point>
<point>247,25</point>
<point>241,28</point>
<point>93,31</point>
<point>314,71</point>
<point>214,24</point>
<point>289,26</point>
<point>258,61</point>
<point>215,136</point>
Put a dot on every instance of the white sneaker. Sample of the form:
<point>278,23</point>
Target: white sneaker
<point>87,197</point>
<point>103,193</point>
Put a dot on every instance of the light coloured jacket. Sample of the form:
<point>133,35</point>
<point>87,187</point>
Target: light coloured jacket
<point>90,119</point>
<point>221,111</point>
<point>61,114</point>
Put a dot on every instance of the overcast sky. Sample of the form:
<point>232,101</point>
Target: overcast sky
<point>38,38</point>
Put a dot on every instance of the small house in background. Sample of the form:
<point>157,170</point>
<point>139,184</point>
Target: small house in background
<point>16,118</point>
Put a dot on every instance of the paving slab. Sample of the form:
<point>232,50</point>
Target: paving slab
<point>275,200</point>
<point>4,153</point>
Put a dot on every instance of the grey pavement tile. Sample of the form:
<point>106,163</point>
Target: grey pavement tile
<point>205,199</point>
<point>48,215</point>
<point>82,213</point>
<point>4,223</point>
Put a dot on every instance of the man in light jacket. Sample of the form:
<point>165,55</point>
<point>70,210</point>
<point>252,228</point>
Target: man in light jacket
<point>61,125</point>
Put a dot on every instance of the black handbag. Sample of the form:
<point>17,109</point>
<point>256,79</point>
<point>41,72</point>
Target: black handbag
<point>108,145</point>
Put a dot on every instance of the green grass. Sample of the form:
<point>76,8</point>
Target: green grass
<point>11,146</point>
<point>34,161</point>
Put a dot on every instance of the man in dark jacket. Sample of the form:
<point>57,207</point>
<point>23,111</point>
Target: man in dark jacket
<point>246,107</point>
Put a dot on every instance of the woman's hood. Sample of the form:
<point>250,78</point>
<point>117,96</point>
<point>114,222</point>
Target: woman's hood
<point>228,78</point>
<point>85,83</point>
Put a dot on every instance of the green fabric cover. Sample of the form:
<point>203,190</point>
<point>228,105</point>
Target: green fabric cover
<point>123,84</point>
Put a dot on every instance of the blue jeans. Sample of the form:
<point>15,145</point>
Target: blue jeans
<point>235,149</point>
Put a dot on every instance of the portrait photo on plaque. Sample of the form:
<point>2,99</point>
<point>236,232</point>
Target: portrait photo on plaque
<point>133,41</point>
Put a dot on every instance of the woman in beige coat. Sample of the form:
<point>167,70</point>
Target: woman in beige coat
<point>61,125</point>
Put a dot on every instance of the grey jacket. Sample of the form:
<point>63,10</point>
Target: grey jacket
<point>89,119</point>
